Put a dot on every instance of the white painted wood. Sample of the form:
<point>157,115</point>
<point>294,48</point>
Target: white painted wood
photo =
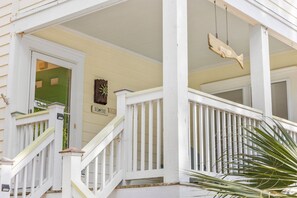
<point>175,85</point>
<point>54,110</point>
<point>251,11</point>
<point>103,169</point>
<point>111,161</point>
<point>71,171</point>
<point>201,143</point>
<point>135,131</point>
<point>260,69</point>
<point>219,139</point>
<point>213,144</point>
<point>121,101</point>
<point>158,135</point>
<point>223,104</point>
<point>195,138</point>
<point>144,96</point>
<point>64,12</point>
<point>224,140</point>
<point>207,139</point>
<point>150,146</point>
<point>5,176</point>
<point>142,151</point>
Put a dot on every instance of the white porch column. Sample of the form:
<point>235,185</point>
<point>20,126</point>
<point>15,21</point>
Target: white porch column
<point>175,86</point>
<point>260,69</point>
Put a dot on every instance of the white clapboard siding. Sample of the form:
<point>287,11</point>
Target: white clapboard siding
<point>286,10</point>
<point>5,14</point>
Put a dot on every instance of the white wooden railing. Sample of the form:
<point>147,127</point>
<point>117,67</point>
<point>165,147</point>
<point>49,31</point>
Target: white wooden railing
<point>216,131</point>
<point>145,135</point>
<point>291,127</point>
<point>32,168</point>
<point>37,167</point>
<point>28,128</point>
<point>100,169</point>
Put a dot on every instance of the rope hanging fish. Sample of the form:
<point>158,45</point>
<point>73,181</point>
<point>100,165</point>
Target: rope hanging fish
<point>221,48</point>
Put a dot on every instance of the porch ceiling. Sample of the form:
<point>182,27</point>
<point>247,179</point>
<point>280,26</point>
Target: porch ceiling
<point>137,26</point>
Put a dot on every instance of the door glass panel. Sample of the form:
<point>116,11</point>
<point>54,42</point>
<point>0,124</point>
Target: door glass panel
<point>53,85</point>
<point>279,99</point>
<point>234,95</point>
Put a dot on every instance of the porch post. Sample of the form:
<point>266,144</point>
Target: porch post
<point>71,169</point>
<point>260,69</point>
<point>122,111</point>
<point>56,116</point>
<point>175,90</point>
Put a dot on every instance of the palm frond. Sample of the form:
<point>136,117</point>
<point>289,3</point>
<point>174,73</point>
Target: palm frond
<point>269,171</point>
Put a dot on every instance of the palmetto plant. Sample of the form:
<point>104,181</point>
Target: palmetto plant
<point>270,171</point>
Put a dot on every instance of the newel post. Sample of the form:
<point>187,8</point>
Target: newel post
<point>71,169</point>
<point>122,111</point>
<point>56,120</point>
<point>5,178</point>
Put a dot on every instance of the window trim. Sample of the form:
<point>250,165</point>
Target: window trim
<point>288,74</point>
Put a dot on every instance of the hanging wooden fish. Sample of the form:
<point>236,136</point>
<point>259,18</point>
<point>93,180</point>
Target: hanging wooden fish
<point>224,50</point>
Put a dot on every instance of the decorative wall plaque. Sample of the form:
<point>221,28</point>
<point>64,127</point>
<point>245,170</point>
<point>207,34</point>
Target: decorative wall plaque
<point>100,91</point>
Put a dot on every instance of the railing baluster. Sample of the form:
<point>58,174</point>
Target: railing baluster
<point>201,139</point>
<point>240,143</point>
<point>158,135</point>
<point>195,137</point>
<point>16,185</point>
<point>229,142</point>
<point>150,148</point>
<point>33,175</point>
<point>41,167</point>
<point>213,140</point>
<point>111,155</point>
<point>207,140</point>
<point>130,138</point>
<point>87,175</point>
<point>135,131</point>
<point>224,142</point>
<point>142,166</point>
<point>25,182</point>
<point>219,140</point>
<point>95,175</point>
<point>103,168</point>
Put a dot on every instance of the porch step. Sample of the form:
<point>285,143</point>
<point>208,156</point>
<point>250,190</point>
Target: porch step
<point>53,194</point>
<point>160,190</point>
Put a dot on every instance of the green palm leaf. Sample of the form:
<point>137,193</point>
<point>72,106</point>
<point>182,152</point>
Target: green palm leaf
<point>269,171</point>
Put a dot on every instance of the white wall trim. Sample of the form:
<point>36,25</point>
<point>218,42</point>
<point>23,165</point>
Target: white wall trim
<point>287,74</point>
<point>20,86</point>
<point>60,13</point>
<point>102,42</point>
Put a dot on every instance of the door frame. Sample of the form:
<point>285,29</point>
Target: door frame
<point>20,97</point>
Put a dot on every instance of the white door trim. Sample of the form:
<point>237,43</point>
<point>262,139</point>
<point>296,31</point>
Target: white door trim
<point>21,85</point>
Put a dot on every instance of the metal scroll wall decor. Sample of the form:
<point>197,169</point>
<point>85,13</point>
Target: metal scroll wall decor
<point>100,91</point>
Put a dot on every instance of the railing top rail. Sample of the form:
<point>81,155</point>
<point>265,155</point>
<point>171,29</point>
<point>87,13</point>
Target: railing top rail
<point>224,104</point>
<point>145,95</point>
<point>37,145</point>
<point>32,115</point>
<point>100,137</point>
<point>287,124</point>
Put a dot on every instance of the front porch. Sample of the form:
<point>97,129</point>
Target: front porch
<point>130,149</point>
<point>152,135</point>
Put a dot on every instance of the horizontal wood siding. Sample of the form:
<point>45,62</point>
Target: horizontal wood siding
<point>285,10</point>
<point>5,16</point>
<point>27,7</point>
